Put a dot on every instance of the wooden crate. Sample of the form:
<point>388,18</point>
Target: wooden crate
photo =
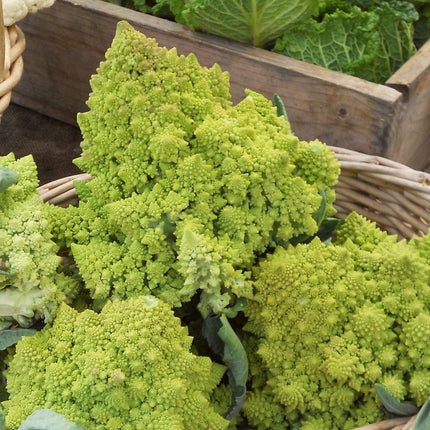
<point>65,44</point>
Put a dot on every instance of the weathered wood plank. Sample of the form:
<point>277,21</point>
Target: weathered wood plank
<point>413,80</point>
<point>66,42</point>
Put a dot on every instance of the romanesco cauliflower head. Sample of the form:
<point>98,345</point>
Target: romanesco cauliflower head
<point>32,284</point>
<point>127,368</point>
<point>190,189</point>
<point>362,232</point>
<point>329,321</point>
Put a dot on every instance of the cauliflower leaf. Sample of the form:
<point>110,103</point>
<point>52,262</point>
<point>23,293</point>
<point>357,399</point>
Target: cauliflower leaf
<point>45,419</point>
<point>7,177</point>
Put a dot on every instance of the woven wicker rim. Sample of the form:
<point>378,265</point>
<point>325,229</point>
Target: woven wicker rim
<point>391,194</point>
<point>13,64</point>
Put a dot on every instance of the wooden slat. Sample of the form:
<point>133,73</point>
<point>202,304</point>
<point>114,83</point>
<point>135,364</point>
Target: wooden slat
<point>413,79</point>
<point>65,44</point>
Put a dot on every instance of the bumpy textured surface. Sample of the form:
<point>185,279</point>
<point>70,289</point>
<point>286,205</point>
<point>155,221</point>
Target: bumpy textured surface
<point>328,322</point>
<point>31,283</point>
<point>127,368</point>
<point>189,190</point>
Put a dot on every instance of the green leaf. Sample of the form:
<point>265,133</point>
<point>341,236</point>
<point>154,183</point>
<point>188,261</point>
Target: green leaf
<point>225,342</point>
<point>9,337</point>
<point>392,405</point>
<point>327,229</point>
<point>255,21</point>
<point>280,106</point>
<point>45,419</point>
<point>8,177</point>
<point>368,44</point>
<point>422,421</point>
<point>396,30</point>
<point>319,215</point>
<point>341,39</point>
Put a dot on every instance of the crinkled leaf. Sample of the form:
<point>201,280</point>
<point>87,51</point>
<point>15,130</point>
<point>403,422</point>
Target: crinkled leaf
<point>8,177</point>
<point>255,21</point>
<point>422,421</point>
<point>45,419</point>
<point>396,30</point>
<point>225,342</point>
<point>369,44</point>
<point>339,39</point>
<point>392,405</point>
<point>9,337</point>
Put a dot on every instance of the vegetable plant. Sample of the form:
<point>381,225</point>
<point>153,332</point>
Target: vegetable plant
<point>32,280</point>
<point>208,284</point>
<point>329,322</point>
<point>369,39</point>
<point>370,43</point>
<point>188,190</point>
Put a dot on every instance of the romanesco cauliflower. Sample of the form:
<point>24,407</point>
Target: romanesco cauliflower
<point>328,322</point>
<point>127,368</point>
<point>31,282</point>
<point>188,190</point>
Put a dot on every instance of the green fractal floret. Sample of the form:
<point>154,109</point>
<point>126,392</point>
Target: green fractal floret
<point>31,282</point>
<point>175,162</point>
<point>329,321</point>
<point>28,179</point>
<point>127,368</point>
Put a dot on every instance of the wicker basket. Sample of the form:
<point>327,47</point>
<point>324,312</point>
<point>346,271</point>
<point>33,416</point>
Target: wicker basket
<point>12,45</point>
<point>393,195</point>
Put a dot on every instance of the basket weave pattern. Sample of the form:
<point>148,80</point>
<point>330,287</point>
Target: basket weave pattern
<point>13,64</point>
<point>391,194</point>
<point>12,45</point>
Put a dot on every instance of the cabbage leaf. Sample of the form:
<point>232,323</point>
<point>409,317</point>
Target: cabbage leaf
<point>259,22</point>
<point>370,44</point>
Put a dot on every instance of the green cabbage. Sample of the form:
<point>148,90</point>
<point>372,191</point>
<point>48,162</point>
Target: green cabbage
<point>371,44</point>
<point>258,22</point>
